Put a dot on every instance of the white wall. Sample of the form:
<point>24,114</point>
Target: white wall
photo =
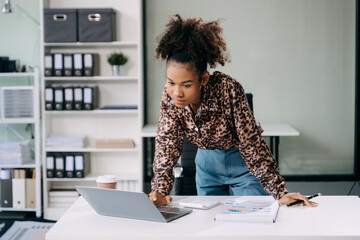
<point>297,56</point>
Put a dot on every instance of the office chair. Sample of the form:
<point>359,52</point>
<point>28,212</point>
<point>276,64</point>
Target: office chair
<point>185,171</point>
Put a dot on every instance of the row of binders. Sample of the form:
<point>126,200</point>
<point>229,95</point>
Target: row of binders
<point>16,190</point>
<point>71,98</point>
<point>77,64</point>
<point>67,165</point>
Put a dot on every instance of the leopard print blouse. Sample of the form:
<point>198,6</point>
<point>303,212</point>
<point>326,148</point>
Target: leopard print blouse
<point>223,121</point>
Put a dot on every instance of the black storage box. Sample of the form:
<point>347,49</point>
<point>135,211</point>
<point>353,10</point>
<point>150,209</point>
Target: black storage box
<point>96,25</point>
<point>13,66</point>
<point>4,62</point>
<point>60,25</point>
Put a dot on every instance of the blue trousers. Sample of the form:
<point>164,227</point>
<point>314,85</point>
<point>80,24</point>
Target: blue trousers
<point>224,172</point>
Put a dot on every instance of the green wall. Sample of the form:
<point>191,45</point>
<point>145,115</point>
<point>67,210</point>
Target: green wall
<point>20,36</point>
<point>19,39</point>
<point>297,56</point>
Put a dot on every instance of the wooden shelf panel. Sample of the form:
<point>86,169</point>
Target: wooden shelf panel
<point>98,111</point>
<point>91,177</point>
<point>91,44</point>
<point>93,78</point>
<point>92,149</point>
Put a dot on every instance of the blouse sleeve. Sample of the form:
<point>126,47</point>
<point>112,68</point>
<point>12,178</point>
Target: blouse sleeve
<point>254,150</point>
<point>168,146</point>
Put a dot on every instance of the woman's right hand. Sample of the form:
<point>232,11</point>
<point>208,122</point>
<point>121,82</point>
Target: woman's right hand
<point>159,199</point>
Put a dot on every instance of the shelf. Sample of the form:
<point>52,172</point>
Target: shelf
<point>149,130</point>
<point>92,44</point>
<point>18,209</point>
<point>17,74</point>
<point>94,78</point>
<point>114,91</point>
<point>93,176</point>
<point>18,120</point>
<point>92,149</point>
<point>29,165</point>
<point>84,112</point>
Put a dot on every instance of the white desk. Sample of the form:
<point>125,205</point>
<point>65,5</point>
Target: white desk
<point>336,217</point>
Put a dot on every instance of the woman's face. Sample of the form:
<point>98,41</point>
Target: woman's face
<point>183,84</point>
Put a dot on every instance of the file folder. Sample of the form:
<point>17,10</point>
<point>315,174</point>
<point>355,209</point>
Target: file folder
<point>30,186</point>
<point>49,98</point>
<point>59,98</point>
<point>78,98</point>
<point>6,193</point>
<point>90,98</point>
<point>88,64</point>
<point>68,65</point>
<point>6,189</point>
<point>18,189</point>
<point>69,166</point>
<point>82,165</point>
<point>69,98</point>
<point>48,65</point>
<point>50,165</point>
<point>22,173</point>
<point>58,64</point>
<point>59,166</point>
<point>78,64</point>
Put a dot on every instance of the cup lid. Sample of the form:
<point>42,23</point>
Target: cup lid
<point>107,179</point>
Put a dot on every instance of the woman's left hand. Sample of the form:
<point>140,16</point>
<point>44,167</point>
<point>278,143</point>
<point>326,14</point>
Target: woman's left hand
<point>292,197</point>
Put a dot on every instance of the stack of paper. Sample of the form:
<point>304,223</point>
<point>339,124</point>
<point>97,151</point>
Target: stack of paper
<point>12,152</point>
<point>54,141</point>
<point>62,198</point>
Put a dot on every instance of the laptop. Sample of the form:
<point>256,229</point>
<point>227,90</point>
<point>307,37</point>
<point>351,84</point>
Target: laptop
<point>135,205</point>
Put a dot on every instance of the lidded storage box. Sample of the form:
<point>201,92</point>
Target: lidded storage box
<point>96,25</point>
<point>60,25</point>
<point>17,102</point>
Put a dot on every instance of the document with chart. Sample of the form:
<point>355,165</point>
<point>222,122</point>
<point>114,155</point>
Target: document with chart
<point>245,210</point>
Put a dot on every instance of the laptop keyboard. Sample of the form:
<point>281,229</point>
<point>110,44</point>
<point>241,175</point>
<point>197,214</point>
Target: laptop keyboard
<point>168,215</point>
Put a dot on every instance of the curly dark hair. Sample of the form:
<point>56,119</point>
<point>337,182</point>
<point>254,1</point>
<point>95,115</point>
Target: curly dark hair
<point>193,41</point>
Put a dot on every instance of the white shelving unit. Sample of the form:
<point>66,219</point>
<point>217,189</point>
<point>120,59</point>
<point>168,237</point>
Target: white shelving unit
<point>31,81</point>
<point>125,163</point>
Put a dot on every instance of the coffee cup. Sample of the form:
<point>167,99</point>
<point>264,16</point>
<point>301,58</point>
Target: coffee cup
<point>107,181</point>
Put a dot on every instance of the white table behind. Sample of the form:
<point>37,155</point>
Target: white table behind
<point>278,129</point>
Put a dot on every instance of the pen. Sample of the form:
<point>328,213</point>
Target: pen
<point>300,201</point>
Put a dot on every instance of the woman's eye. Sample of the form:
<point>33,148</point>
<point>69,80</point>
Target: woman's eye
<point>171,83</point>
<point>187,86</point>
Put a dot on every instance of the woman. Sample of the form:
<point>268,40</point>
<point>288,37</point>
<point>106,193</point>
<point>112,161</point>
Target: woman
<point>213,113</point>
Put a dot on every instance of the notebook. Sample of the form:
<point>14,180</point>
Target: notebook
<point>134,205</point>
